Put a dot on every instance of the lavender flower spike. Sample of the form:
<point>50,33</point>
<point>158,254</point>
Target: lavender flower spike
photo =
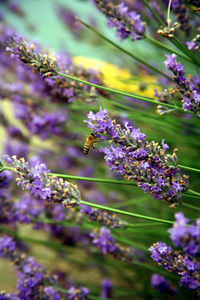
<point>51,189</point>
<point>30,56</point>
<point>106,243</point>
<point>187,237</point>
<point>187,267</point>
<point>190,95</point>
<point>103,217</point>
<point>128,23</point>
<point>135,158</point>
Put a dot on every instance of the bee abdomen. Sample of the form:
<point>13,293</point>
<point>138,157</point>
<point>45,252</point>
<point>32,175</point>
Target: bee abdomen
<point>86,149</point>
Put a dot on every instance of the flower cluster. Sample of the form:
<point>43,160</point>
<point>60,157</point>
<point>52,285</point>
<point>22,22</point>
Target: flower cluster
<point>128,23</point>
<point>185,266</point>
<point>51,189</point>
<point>132,156</point>
<point>106,243</point>
<point>190,95</point>
<point>162,285</point>
<point>194,44</point>
<point>47,66</point>
<point>33,281</point>
<point>30,56</point>
<point>78,293</point>
<point>186,236</point>
<point>103,217</point>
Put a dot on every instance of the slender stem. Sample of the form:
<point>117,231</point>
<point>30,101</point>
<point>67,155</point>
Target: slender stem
<point>113,181</point>
<point>161,45</point>
<point>99,179</point>
<point>123,50</point>
<point>191,206</point>
<point>189,168</point>
<point>127,213</point>
<point>193,192</point>
<point>190,195</point>
<point>122,93</point>
<point>143,224</point>
<point>168,14</point>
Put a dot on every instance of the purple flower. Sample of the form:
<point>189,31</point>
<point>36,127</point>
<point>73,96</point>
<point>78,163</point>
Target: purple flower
<point>194,44</point>
<point>33,281</point>
<point>102,217</point>
<point>28,208</point>
<point>104,241</point>
<point>106,289</point>
<point>42,186</point>
<point>185,266</point>
<point>190,95</point>
<point>162,285</point>
<point>164,146</point>
<point>187,237</point>
<point>7,246</point>
<point>128,23</point>
<point>102,123</point>
<point>5,179</point>
<point>78,293</point>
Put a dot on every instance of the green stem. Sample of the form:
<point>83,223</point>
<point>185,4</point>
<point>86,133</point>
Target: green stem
<point>191,206</point>
<point>168,14</point>
<point>122,49</point>
<point>193,192</point>
<point>143,224</point>
<point>161,45</point>
<point>127,213</point>
<point>116,181</point>
<point>189,168</point>
<point>112,181</point>
<point>122,93</point>
<point>189,195</point>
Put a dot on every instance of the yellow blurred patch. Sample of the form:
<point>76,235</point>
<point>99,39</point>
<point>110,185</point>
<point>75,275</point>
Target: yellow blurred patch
<point>120,78</point>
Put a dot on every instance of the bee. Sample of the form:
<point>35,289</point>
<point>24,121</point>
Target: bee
<point>89,143</point>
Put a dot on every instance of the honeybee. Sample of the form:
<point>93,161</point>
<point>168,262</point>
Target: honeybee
<point>89,143</point>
